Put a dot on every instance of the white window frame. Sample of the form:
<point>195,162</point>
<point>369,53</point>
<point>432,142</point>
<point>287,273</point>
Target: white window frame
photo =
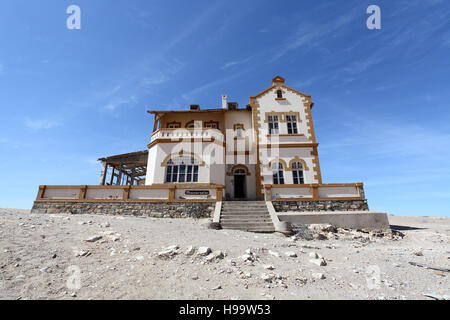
<point>273,122</point>
<point>291,124</point>
<point>182,170</point>
<point>278,173</point>
<point>298,176</point>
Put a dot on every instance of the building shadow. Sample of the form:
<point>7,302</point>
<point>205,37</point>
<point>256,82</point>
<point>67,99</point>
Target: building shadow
<point>405,228</point>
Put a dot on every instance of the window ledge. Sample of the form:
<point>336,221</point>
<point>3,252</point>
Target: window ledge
<point>286,135</point>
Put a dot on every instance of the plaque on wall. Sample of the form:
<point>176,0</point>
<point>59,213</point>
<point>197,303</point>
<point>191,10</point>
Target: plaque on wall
<point>196,192</point>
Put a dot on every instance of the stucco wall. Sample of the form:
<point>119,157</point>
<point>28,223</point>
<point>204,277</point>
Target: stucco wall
<point>294,103</point>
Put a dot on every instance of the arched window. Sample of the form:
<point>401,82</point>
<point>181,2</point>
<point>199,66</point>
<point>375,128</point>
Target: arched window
<point>297,173</point>
<point>182,169</point>
<point>277,170</point>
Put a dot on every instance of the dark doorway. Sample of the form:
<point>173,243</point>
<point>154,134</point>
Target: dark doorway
<point>239,186</point>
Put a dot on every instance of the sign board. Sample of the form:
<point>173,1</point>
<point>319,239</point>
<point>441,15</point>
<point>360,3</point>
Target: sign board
<point>196,192</point>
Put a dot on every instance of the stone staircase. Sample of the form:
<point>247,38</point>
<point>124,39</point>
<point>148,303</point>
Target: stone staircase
<point>250,216</point>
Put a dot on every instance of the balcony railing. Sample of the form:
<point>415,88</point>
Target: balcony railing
<point>185,133</point>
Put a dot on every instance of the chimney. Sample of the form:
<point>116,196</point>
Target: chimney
<point>194,107</point>
<point>224,101</point>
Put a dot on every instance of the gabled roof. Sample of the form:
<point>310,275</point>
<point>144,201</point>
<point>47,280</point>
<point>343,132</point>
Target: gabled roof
<point>279,81</point>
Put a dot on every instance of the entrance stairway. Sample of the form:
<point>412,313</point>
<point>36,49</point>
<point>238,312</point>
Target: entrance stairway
<point>250,216</point>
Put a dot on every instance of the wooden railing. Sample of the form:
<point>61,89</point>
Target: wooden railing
<point>152,193</point>
<point>314,192</point>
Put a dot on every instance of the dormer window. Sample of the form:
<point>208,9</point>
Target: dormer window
<point>279,94</point>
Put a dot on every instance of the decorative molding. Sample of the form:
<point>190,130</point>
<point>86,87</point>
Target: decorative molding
<point>239,166</point>
<point>182,153</point>
<point>285,166</point>
<point>297,159</point>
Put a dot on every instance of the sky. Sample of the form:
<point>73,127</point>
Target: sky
<point>382,97</point>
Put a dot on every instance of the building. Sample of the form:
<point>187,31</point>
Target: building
<point>266,150</point>
<point>270,142</point>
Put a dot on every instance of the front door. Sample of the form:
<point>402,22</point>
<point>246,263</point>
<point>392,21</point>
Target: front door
<point>239,186</point>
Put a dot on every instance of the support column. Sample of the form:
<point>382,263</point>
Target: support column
<point>103,173</point>
<point>119,178</point>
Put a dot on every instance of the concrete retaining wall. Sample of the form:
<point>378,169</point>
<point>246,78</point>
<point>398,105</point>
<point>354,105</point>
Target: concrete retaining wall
<point>321,205</point>
<point>342,219</point>
<point>151,209</point>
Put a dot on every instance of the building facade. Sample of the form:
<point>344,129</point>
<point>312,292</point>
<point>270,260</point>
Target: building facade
<point>198,158</point>
<point>269,144</point>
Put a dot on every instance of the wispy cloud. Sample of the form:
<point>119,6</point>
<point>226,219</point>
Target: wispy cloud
<point>42,124</point>
<point>113,105</point>
<point>309,35</point>
<point>236,62</point>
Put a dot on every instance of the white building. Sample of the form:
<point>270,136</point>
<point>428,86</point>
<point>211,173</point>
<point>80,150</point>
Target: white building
<point>198,158</point>
<point>268,144</point>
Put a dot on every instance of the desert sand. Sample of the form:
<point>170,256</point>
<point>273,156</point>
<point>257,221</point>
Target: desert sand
<point>112,257</point>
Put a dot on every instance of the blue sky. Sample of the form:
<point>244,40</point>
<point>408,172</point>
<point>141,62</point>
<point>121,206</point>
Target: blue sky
<point>381,113</point>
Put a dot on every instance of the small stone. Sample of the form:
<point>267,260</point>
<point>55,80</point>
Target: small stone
<point>81,253</point>
<point>418,253</point>
<point>139,258</point>
<point>269,267</point>
<point>318,276</point>
<point>54,256</point>
<point>247,257</point>
<point>190,251</point>
<point>217,287</point>
<point>274,253</point>
<point>319,262</point>
<point>291,254</point>
<point>105,225</point>
<point>314,255</point>
<point>267,277</point>
<point>93,239</point>
<point>203,251</point>
<point>301,280</point>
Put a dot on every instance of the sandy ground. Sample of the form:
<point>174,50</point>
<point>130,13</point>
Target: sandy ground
<point>47,257</point>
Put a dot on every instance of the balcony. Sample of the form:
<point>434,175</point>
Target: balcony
<point>188,134</point>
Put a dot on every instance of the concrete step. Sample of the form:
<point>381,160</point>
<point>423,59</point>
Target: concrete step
<point>227,221</point>
<point>252,229</point>
<point>246,217</point>
<point>244,212</point>
<point>246,205</point>
<point>251,216</point>
<point>247,225</point>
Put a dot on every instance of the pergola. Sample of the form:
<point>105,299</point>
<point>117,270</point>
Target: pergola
<point>124,169</point>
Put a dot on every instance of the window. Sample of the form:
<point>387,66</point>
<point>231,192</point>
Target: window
<point>277,170</point>
<point>280,94</point>
<point>193,124</point>
<point>273,124</point>
<point>238,129</point>
<point>211,125</point>
<point>182,169</point>
<point>239,172</point>
<point>174,125</point>
<point>297,173</point>
<point>291,121</point>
